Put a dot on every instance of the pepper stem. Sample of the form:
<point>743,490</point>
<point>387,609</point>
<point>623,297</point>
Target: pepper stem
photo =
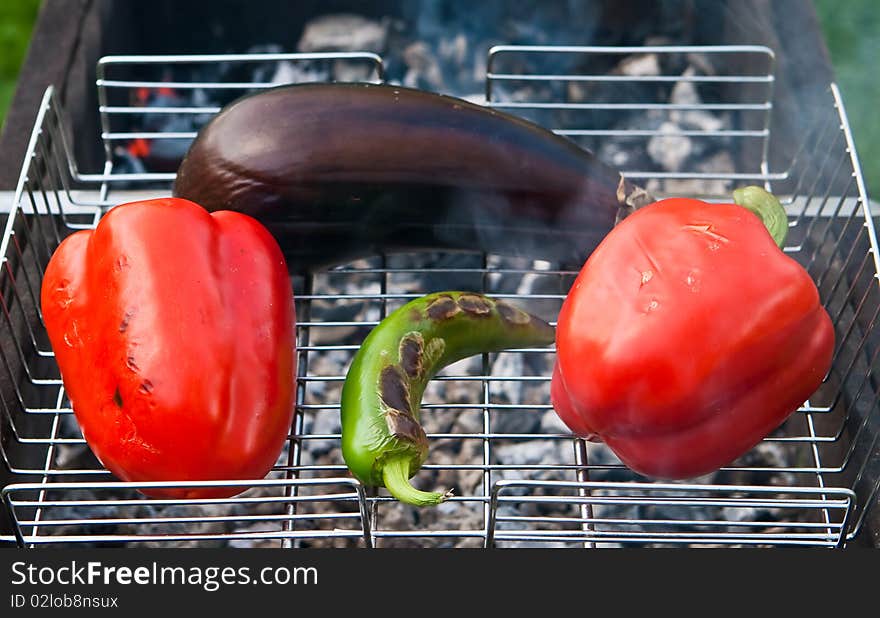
<point>767,207</point>
<point>395,474</point>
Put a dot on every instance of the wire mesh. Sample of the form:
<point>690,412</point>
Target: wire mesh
<point>520,478</point>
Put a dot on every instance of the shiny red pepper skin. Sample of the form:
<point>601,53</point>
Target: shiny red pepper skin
<point>687,337</point>
<point>173,331</point>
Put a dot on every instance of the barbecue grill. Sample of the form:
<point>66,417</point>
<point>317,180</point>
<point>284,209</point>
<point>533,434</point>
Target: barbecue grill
<point>521,479</point>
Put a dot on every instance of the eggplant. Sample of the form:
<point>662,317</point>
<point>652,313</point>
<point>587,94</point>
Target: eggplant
<point>339,171</point>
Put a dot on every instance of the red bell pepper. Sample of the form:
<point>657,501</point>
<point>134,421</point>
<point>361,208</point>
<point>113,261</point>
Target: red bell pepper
<point>173,331</point>
<point>688,336</point>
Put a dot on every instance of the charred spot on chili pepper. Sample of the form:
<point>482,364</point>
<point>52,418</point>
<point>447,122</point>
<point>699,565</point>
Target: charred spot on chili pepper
<point>475,305</point>
<point>404,427</point>
<point>117,397</point>
<point>146,387</point>
<point>512,314</point>
<point>442,308</point>
<point>394,390</point>
<point>411,353</point>
<point>132,364</point>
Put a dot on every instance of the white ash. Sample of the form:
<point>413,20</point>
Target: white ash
<point>327,363</point>
<point>674,152</point>
<point>685,93</point>
<point>461,482</point>
<point>531,452</point>
<point>507,366</point>
<point>343,32</point>
<point>343,310</point>
<point>320,423</point>
<point>678,513</point>
<point>537,284</point>
<point>638,65</point>
<point>453,49</point>
<point>297,72</point>
<point>629,152</point>
<point>717,163</point>
<point>480,66</point>
<point>670,150</point>
<point>516,422</point>
<point>423,70</point>
<point>477,98</point>
<point>468,422</point>
<point>352,71</point>
<point>740,514</point>
<point>206,525</point>
<point>633,65</point>
<point>552,424</point>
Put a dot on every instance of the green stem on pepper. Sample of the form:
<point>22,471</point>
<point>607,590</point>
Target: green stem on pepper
<point>767,207</point>
<point>395,475</point>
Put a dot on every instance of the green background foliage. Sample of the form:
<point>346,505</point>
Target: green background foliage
<point>852,32</point>
<point>851,28</point>
<point>17,19</point>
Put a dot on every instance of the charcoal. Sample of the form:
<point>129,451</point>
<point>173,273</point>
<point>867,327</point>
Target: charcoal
<point>599,92</point>
<point>322,422</point>
<point>442,46</point>
<point>516,422</point>
<point>468,422</point>
<point>674,152</point>
<point>552,424</point>
<point>678,513</point>
<point>532,452</point>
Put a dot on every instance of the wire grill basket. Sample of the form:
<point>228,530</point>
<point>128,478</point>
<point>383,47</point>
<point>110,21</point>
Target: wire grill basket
<point>519,481</point>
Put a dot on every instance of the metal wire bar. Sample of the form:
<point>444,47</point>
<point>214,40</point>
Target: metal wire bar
<point>294,457</point>
<point>50,457</point>
<point>482,436</point>
<point>487,418</point>
<point>816,177</point>
<point>842,501</point>
<point>820,479</point>
<point>802,160</point>
<point>691,539</point>
<point>9,308</point>
<point>825,197</point>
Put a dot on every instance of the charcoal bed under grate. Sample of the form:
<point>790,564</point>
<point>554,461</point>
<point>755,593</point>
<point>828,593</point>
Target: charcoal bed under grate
<point>664,115</point>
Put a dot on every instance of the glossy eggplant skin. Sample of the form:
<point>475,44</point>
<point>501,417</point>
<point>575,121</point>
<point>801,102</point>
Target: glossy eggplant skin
<point>340,171</point>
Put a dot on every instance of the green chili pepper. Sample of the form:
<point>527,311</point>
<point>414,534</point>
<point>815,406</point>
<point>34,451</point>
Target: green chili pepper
<point>382,441</point>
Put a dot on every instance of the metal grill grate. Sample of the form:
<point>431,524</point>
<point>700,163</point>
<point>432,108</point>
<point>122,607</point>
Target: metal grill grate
<point>520,478</point>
